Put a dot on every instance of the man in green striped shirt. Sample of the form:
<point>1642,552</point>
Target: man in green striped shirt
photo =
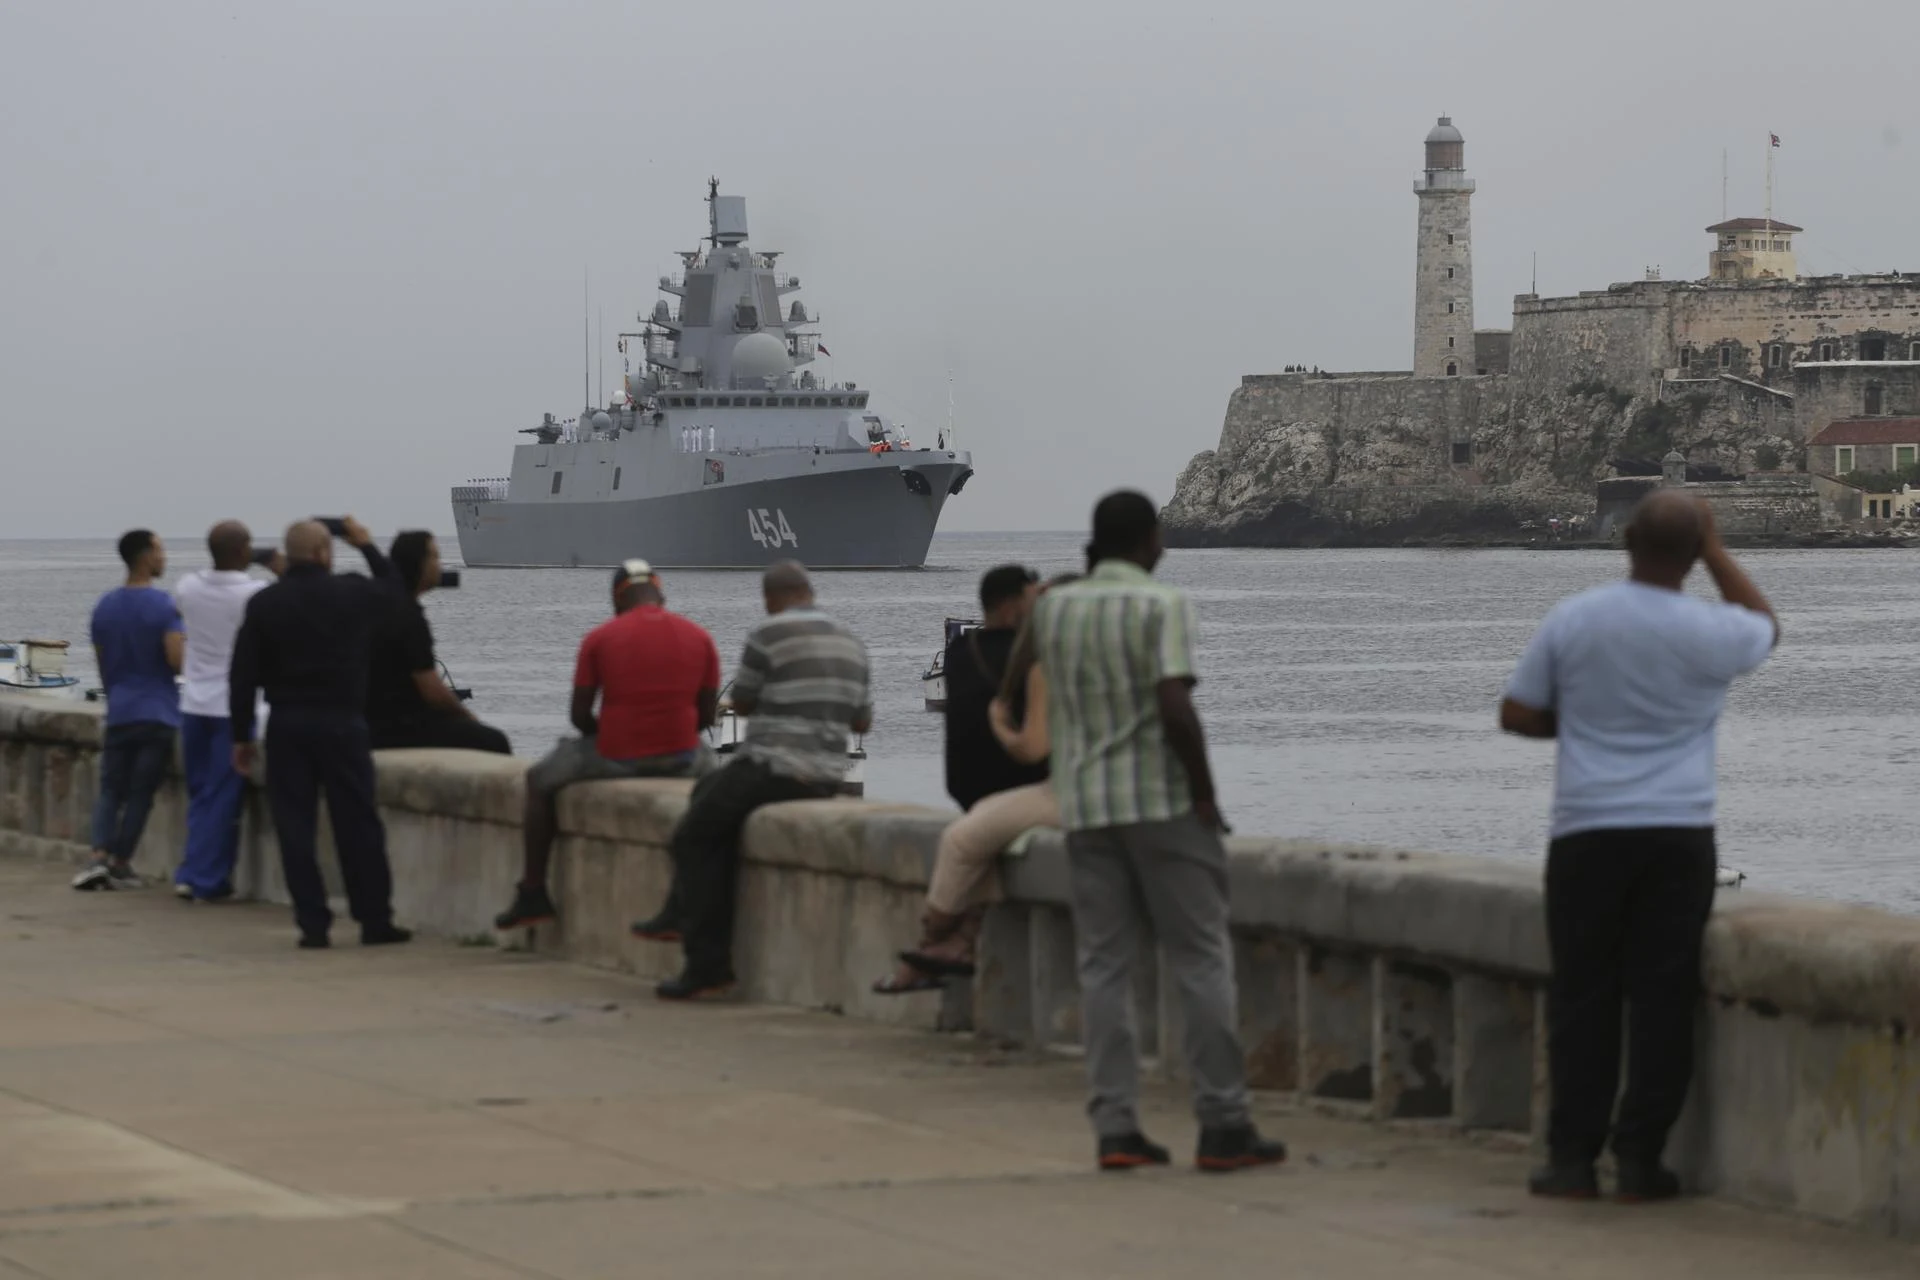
<point>1136,798</point>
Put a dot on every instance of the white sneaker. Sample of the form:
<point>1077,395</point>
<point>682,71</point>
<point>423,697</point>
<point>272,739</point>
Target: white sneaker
<point>95,876</point>
<point>184,891</point>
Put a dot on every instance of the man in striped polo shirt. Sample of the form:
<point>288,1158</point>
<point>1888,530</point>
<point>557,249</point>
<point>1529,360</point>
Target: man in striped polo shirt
<point>802,684</point>
<point>1136,798</point>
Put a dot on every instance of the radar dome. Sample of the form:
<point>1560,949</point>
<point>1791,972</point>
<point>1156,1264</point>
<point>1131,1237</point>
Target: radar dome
<point>758,356</point>
<point>602,422</point>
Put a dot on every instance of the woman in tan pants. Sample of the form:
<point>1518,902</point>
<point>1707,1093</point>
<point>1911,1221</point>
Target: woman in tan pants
<point>964,878</point>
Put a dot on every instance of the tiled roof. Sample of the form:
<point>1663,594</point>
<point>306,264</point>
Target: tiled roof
<point>1871,431</point>
<point>1754,224</point>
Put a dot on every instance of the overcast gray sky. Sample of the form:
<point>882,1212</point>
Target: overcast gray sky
<point>273,259</point>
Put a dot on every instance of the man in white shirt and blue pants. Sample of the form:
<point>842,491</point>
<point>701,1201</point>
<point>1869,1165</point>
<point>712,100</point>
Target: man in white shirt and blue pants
<point>1629,679</point>
<point>213,603</point>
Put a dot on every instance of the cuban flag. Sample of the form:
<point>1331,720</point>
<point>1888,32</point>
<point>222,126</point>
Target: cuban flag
<point>821,347</point>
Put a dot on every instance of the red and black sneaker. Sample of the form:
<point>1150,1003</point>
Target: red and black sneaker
<point>664,927</point>
<point>1240,1147</point>
<point>530,907</point>
<point>694,986</point>
<point>1565,1180</point>
<point>1131,1151</point>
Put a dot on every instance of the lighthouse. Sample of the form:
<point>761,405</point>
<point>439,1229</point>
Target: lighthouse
<point>1443,263</point>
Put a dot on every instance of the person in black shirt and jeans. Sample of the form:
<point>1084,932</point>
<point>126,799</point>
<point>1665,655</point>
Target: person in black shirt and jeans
<point>408,704</point>
<point>305,641</point>
<point>1001,795</point>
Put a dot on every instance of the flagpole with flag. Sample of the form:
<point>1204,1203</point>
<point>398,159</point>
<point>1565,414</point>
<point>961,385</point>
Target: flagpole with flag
<point>1773,145</point>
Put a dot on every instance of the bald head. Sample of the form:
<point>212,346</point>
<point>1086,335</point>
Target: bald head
<point>230,545</point>
<point>786,586</point>
<point>1666,533</point>
<point>308,542</point>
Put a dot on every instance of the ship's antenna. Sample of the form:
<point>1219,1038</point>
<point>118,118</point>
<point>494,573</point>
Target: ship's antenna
<point>586,343</point>
<point>1536,273</point>
<point>1723,184</point>
<point>600,335</point>
<point>949,408</point>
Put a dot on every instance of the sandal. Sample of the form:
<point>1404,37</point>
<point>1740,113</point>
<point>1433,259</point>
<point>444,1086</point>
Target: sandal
<point>939,966</point>
<point>894,985</point>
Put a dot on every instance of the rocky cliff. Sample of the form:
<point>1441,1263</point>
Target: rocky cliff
<point>1306,460</point>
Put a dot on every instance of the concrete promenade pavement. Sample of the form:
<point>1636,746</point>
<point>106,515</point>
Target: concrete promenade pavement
<point>184,1095</point>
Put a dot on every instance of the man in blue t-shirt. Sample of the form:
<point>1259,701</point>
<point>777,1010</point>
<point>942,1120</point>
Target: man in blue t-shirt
<point>1629,680</point>
<point>139,643</point>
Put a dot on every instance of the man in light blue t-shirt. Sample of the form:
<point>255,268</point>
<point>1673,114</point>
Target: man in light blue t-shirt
<point>138,642</point>
<point>1629,680</point>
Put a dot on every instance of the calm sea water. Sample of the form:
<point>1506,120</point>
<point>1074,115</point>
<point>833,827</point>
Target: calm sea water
<point>1348,695</point>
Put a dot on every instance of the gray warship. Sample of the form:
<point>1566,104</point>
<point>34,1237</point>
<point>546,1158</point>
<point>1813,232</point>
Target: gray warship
<point>721,450</point>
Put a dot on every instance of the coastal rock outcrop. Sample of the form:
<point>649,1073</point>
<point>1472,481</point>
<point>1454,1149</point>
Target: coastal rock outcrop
<point>1382,460</point>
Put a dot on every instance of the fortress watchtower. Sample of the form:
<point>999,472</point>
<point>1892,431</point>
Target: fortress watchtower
<point>1443,265</point>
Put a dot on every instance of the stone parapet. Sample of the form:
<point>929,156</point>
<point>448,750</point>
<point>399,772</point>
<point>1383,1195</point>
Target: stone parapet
<point>1397,985</point>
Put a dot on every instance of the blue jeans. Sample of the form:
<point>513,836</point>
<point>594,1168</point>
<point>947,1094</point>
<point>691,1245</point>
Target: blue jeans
<point>214,796</point>
<point>133,764</point>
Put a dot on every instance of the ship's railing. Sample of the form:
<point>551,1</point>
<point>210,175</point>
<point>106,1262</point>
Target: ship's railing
<point>481,491</point>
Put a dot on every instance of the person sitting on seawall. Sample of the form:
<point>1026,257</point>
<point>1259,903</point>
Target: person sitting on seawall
<point>657,677</point>
<point>213,602</point>
<point>139,643</point>
<point>408,704</point>
<point>803,684</point>
<point>1002,794</point>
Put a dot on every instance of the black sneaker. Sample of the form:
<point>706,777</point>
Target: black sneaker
<point>219,893</point>
<point>124,876</point>
<point>1131,1151</point>
<point>530,907</point>
<point>315,942</point>
<point>385,935</point>
<point>1564,1182</point>
<point>93,878</point>
<point>1241,1147</point>
<point>662,928</point>
<point>1640,1183</point>
<point>692,986</point>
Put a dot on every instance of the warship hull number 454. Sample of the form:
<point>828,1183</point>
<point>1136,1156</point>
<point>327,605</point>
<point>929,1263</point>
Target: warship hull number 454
<point>722,450</point>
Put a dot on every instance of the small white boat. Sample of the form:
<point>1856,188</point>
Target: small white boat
<point>37,666</point>
<point>730,730</point>
<point>933,681</point>
<point>1729,877</point>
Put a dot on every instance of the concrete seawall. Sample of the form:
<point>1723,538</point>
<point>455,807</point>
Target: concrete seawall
<point>1396,985</point>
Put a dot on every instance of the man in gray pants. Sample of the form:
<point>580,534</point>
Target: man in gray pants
<point>1136,798</point>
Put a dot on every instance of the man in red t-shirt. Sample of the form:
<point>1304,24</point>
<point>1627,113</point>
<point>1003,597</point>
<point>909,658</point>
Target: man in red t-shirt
<point>657,678</point>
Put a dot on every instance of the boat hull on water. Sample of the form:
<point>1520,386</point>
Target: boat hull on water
<point>840,511</point>
<point>37,667</point>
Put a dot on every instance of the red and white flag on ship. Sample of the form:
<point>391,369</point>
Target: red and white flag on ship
<point>1775,137</point>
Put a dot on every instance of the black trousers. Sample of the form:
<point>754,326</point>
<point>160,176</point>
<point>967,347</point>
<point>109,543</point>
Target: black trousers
<point>706,854</point>
<point>1626,911</point>
<point>313,750</point>
<point>435,727</point>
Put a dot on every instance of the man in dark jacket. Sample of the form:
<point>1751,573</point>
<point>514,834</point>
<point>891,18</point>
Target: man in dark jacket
<point>305,641</point>
<point>408,704</point>
<point>1002,796</point>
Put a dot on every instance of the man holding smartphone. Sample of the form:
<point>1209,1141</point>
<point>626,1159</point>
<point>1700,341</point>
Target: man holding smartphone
<point>305,641</point>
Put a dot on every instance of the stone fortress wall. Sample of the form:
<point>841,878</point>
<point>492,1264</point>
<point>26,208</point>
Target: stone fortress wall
<point>1729,372</point>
